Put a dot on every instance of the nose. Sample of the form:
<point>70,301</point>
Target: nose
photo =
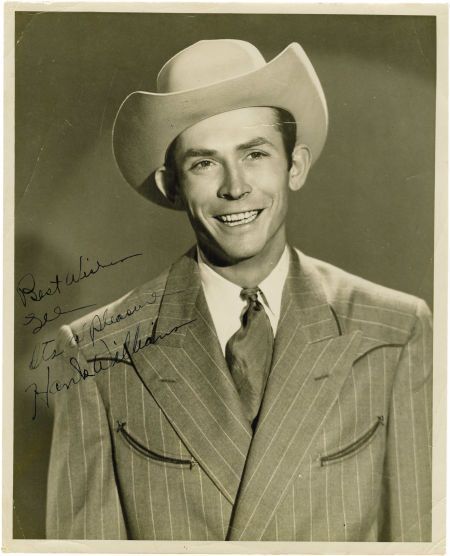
<point>234,185</point>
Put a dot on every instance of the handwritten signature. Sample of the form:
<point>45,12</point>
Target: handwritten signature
<point>99,364</point>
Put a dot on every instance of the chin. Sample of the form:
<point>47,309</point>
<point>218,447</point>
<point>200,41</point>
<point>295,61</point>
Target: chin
<point>233,254</point>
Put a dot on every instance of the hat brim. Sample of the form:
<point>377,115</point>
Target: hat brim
<point>147,123</point>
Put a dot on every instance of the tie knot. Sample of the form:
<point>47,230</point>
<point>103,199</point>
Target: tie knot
<point>250,294</point>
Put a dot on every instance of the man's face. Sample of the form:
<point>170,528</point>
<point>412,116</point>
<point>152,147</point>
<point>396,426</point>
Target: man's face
<point>234,179</point>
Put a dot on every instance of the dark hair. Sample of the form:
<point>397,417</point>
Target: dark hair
<point>287,126</point>
<point>285,123</point>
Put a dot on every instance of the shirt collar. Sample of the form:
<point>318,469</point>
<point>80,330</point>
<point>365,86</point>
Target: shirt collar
<point>222,290</point>
<point>272,285</point>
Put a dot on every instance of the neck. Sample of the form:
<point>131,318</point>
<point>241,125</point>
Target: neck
<point>252,271</point>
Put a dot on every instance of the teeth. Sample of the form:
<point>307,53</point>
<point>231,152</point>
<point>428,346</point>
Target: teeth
<point>238,218</point>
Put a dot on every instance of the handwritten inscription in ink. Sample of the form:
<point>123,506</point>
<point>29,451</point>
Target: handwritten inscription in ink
<point>28,290</point>
<point>132,344</point>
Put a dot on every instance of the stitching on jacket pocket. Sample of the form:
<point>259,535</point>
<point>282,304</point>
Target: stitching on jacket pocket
<point>354,446</point>
<point>149,453</point>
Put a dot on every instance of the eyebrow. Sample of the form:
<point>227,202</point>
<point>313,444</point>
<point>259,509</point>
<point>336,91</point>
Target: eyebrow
<point>190,153</point>
<point>256,142</point>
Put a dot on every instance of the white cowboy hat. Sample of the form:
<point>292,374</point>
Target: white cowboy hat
<point>205,79</point>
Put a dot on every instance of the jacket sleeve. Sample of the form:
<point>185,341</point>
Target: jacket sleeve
<point>82,496</point>
<point>406,503</point>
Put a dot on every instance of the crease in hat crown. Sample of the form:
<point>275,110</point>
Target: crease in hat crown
<point>205,79</point>
<point>207,62</point>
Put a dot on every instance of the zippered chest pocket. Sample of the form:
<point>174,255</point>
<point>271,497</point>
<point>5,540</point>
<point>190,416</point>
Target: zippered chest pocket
<point>353,447</point>
<point>144,451</point>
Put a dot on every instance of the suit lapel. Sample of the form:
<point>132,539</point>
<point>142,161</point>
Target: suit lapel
<point>186,373</point>
<point>312,358</point>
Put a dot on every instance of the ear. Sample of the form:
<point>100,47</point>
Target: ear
<point>301,163</point>
<point>168,185</point>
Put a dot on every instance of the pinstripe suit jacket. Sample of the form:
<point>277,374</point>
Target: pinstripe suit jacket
<point>152,443</point>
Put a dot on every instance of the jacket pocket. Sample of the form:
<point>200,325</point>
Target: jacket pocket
<point>354,446</point>
<point>146,452</point>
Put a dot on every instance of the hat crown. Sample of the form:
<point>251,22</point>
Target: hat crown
<point>207,62</point>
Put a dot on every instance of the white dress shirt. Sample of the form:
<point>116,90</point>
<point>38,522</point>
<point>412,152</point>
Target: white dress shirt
<point>226,305</point>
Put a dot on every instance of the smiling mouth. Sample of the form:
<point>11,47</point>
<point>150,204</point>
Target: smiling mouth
<point>238,218</point>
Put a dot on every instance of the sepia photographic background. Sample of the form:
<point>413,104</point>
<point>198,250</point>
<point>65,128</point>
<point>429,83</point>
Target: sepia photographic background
<point>367,206</point>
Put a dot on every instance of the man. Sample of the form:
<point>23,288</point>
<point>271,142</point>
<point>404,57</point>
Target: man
<point>249,392</point>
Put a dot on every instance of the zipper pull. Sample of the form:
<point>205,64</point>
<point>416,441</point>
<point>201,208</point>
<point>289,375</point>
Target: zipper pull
<point>120,426</point>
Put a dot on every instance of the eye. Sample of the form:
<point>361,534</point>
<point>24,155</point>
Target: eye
<point>202,165</point>
<point>256,155</point>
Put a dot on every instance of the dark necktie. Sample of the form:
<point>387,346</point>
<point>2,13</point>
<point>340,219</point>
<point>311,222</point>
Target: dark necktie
<point>249,354</point>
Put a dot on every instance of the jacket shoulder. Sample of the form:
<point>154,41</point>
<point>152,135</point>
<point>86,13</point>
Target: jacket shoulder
<point>358,303</point>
